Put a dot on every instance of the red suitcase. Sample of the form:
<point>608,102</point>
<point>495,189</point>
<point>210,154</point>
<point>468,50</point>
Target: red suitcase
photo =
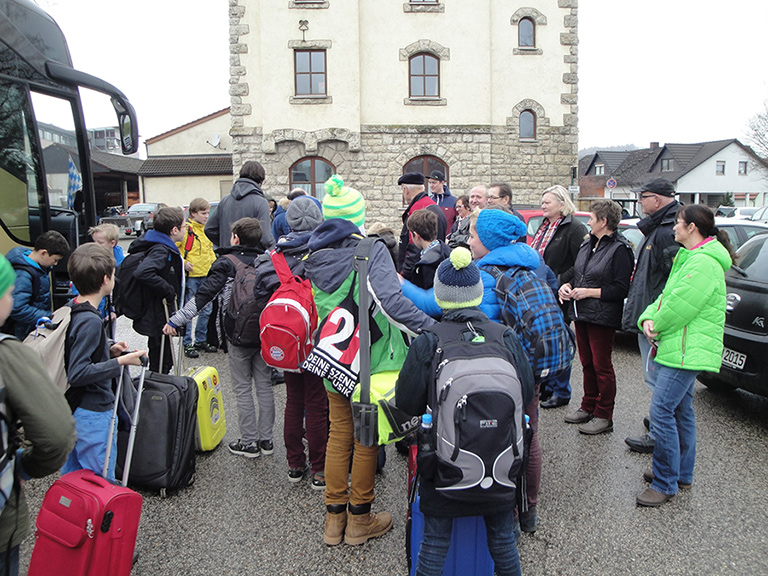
<point>87,526</point>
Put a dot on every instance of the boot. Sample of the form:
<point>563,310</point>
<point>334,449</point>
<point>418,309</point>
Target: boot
<point>335,522</point>
<point>363,524</point>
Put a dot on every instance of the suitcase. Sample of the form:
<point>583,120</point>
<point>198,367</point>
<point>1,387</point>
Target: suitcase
<point>87,526</point>
<point>468,554</point>
<point>211,423</point>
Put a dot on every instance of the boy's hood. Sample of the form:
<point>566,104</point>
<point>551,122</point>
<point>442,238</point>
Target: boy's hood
<point>331,231</point>
<point>20,255</point>
<point>150,238</point>
<point>244,186</point>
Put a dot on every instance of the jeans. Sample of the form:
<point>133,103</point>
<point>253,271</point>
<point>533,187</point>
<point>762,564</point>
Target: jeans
<point>501,544</point>
<point>595,345</point>
<point>649,371</point>
<point>672,411</point>
<point>339,450</point>
<point>90,450</point>
<point>561,385</point>
<point>201,328</point>
<point>11,568</point>
<point>246,366</point>
<point>306,399</point>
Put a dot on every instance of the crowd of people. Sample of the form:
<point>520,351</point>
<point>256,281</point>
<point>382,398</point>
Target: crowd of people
<point>444,269</point>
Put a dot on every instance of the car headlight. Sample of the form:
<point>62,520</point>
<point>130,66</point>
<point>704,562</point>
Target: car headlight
<point>731,299</point>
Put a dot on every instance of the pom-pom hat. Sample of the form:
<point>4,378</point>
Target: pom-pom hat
<point>343,202</point>
<point>457,281</point>
<point>497,228</point>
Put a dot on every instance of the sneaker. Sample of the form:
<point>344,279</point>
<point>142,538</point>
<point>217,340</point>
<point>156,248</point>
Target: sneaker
<point>205,347</point>
<point>248,450</point>
<point>577,416</point>
<point>318,481</point>
<point>296,474</point>
<point>190,352</point>
<point>277,377</point>
<point>266,447</point>
<point>596,426</point>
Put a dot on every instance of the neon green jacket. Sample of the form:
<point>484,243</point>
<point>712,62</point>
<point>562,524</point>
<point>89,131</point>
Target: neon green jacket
<point>689,315</point>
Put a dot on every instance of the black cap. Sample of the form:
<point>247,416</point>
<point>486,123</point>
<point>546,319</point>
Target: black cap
<point>411,178</point>
<point>437,175</point>
<point>660,186</point>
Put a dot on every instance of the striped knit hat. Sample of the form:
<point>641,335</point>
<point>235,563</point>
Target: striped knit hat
<point>457,282</point>
<point>7,275</point>
<point>343,202</point>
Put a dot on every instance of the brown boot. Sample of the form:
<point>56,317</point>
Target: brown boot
<point>363,524</point>
<point>335,523</point>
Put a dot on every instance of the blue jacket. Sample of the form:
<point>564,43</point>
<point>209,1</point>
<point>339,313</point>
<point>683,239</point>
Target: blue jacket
<point>28,307</point>
<point>280,223</point>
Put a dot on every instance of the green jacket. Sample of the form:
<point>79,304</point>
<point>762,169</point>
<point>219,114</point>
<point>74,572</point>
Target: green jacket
<point>49,429</point>
<point>689,315</point>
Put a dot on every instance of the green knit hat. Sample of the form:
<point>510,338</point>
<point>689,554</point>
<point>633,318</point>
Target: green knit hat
<point>7,275</point>
<point>343,202</point>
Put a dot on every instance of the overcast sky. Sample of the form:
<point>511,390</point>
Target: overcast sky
<point>657,70</point>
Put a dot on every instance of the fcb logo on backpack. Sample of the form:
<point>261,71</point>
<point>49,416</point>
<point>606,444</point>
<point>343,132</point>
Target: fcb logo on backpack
<point>288,320</point>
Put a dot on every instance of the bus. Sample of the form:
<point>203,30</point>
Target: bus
<point>47,184</point>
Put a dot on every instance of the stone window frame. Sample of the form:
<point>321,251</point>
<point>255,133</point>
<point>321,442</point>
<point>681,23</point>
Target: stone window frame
<point>537,19</point>
<point>310,45</point>
<point>433,49</point>
<point>540,118</point>
<point>415,6</point>
<point>532,138</point>
<point>308,4</point>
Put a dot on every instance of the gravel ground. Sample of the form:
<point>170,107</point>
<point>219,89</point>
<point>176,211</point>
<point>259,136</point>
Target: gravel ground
<point>243,517</point>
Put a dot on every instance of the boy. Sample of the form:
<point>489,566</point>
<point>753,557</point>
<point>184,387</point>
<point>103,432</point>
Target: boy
<point>107,235</point>
<point>245,363</point>
<point>459,291</point>
<point>32,292</point>
<point>422,225</point>
<point>32,400</point>
<point>159,275</point>
<point>198,257</point>
<point>93,363</point>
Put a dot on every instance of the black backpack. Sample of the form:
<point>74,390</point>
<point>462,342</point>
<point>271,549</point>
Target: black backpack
<point>478,414</point>
<point>128,295</point>
<point>250,292</point>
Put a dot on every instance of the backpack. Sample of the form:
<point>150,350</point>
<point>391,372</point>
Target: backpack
<point>128,294</point>
<point>9,443</point>
<point>477,412</point>
<point>528,306</point>
<point>288,321</point>
<point>50,340</point>
<point>247,299</point>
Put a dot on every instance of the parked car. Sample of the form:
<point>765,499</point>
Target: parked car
<point>745,352</point>
<point>761,215</point>
<point>735,212</point>
<point>137,219</point>
<point>533,218</point>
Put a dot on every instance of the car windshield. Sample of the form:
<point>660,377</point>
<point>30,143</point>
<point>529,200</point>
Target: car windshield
<point>141,208</point>
<point>753,259</point>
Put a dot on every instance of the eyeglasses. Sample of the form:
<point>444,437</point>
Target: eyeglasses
<point>494,197</point>
<point>646,196</point>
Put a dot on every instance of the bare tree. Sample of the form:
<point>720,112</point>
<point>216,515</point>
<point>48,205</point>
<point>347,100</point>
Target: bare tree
<point>757,136</point>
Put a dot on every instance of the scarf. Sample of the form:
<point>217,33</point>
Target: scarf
<point>544,235</point>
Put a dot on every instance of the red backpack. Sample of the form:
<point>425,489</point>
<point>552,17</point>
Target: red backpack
<point>288,320</point>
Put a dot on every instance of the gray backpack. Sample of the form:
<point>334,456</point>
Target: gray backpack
<point>477,410</point>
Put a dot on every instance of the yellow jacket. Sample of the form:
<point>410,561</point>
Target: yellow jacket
<point>201,255</point>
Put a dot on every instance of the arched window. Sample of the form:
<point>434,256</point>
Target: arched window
<point>311,173</point>
<point>424,74</point>
<point>527,125</point>
<point>425,165</point>
<point>526,33</point>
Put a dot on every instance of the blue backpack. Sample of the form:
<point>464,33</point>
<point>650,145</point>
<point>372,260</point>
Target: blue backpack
<point>528,306</point>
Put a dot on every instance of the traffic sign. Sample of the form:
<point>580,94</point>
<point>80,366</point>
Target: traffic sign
<point>611,183</point>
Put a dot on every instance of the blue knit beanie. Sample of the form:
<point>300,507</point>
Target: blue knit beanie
<point>457,281</point>
<point>497,228</point>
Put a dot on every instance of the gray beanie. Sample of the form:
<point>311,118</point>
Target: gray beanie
<point>304,214</point>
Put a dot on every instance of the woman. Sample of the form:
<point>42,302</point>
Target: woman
<point>685,327</point>
<point>459,235</point>
<point>558,240</point>
<point>596,295</point>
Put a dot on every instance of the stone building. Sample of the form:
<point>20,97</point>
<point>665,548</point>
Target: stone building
<point>483,91</point>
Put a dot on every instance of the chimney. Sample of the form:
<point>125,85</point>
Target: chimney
<point>654,145</point>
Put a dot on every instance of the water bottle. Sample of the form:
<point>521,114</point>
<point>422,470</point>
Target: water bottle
<point>426,456</point>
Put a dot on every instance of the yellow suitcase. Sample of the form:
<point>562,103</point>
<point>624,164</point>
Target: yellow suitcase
<point>211,424</point>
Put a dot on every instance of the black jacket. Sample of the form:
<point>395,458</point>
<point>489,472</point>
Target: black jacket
<point>654,262</point>
<point>409,252</point>
<point>423,274</point>
<point>606,265</point>
<point>244,200</point>
<point>561,251</point>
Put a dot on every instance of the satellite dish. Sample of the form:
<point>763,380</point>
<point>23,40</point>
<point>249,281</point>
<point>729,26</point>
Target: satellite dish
<point>215,140</point>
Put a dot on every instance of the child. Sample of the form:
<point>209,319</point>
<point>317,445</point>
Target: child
<point>422,225</point>
<point>159,275</point>
<point>245,363</point>
<point>32,292</point>
<point>35,403</point>
<point>93,363</point>
<point>459,291</point>
<point>107,235</point>
<point>198,257</point>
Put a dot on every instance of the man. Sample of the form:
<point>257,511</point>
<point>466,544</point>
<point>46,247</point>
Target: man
<point>441,195</point>
<point>245,200</point>
<point>654,262</point>
<point>500,194</point>
<point>412,186</point>
<point>478,197</point>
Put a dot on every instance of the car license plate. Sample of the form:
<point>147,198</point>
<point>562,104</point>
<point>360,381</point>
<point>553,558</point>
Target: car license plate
<point>734,359</point>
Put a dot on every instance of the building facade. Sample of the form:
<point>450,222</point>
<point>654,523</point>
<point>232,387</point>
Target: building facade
<point>483,91</point>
